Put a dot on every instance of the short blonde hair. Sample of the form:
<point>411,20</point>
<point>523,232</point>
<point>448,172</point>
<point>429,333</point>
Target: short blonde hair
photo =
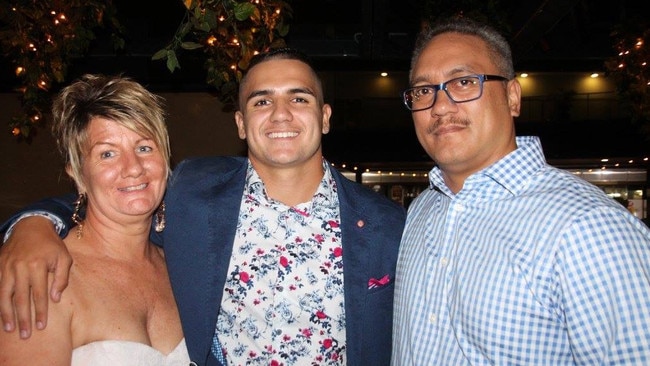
<point>116,98</point>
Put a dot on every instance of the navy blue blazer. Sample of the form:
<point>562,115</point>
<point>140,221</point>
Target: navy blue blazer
<point>202,206</point>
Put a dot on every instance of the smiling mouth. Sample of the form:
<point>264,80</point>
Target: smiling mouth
<point>282,135</point>
<point>139,187</point>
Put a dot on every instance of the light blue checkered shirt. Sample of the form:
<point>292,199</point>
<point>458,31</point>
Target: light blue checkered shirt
<point>526,265</point>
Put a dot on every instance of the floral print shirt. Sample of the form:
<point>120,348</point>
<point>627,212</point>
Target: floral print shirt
<point>283,301</point>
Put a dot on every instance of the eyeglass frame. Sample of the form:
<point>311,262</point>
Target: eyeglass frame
<point>443,86</point>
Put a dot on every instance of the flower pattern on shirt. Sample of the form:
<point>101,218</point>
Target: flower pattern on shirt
<point>283,301</point>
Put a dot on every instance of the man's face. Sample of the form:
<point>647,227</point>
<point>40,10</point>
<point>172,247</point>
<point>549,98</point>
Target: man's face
<point>463,138</point>
<point>282,117</point>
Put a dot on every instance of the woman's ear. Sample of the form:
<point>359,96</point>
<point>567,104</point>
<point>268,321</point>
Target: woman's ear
<point>77,182</point>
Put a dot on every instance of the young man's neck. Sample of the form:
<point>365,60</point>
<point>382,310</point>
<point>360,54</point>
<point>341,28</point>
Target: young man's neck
<point>291,185</point>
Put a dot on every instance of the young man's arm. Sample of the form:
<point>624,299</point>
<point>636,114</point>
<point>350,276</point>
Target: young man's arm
<point>32,249</point>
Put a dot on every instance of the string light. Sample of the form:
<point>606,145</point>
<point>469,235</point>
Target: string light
<point>64,30</point>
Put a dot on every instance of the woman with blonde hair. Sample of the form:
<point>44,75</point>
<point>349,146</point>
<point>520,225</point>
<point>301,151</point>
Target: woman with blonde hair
<point>119,307</point>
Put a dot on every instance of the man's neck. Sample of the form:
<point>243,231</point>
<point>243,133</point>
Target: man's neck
<point>291,185</point>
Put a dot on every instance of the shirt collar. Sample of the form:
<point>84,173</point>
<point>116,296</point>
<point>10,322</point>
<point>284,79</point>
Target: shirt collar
<point>325,194</point>
<point>512,171</point>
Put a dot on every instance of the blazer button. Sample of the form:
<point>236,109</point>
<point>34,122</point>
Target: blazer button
<point>360,223</point>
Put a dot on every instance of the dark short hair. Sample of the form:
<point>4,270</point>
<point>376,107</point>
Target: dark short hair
<point>282,54</point>
<point>496,43</point>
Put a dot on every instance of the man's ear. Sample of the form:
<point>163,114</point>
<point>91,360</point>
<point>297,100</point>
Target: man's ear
<point>241,126</point>
<point>327,113</point>
<point>514,97</point>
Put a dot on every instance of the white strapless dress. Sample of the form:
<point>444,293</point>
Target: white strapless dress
<point>114,353</point>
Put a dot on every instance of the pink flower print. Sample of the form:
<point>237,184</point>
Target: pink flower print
<point>260,251</point>
<point>327,343</point>
<point>333,223</point>
<point>320,315</point>
<point>243,276</point>
<point>338,251</point>
<point>286,338</point>
<point>306,332</point>
<point>275,363</point>
<point>319,238</point>
<point>284,262</point>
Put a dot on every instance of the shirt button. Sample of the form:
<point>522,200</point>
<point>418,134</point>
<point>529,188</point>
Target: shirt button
<point>360,223</point>
<point>433,318</point>
<point>444,261</point>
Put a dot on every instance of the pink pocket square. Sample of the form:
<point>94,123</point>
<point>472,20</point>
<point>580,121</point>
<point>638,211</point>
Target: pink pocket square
<point>373,282</point>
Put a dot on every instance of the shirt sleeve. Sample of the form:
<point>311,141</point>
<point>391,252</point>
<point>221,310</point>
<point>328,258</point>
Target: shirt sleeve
<point>57,222</point>
<point>603,269</point>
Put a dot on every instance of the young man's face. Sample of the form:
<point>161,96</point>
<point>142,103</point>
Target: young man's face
<point>282,117</point>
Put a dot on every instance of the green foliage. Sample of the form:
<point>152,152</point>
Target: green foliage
<point>229,33</point>
<point>41,39</point>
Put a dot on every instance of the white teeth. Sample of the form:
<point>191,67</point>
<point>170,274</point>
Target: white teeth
<point>135,188</point>
<point>280,135</point>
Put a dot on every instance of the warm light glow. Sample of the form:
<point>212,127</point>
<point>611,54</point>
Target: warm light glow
<point>594,75</point>
<point>19,70</point>
<point>384,74</point>
<point>233,67</point>
<point>343,165</point>
<point>604,160</point>
<point>620,66</point>
<point>524,75</point>
<point>277,11</point>
<point>222,18</point>
<point>212,40</point>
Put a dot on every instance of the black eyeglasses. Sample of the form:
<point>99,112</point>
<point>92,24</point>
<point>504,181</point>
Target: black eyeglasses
<point>459,90</point>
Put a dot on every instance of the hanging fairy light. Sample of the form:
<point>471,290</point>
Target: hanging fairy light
<point>46,36</point>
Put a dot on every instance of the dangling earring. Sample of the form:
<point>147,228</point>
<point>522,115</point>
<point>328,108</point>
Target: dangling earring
<point>76,218</point>
<point>160,218</point>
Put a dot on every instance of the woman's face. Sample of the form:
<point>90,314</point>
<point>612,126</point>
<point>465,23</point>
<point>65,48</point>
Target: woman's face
<point>123,173</point>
